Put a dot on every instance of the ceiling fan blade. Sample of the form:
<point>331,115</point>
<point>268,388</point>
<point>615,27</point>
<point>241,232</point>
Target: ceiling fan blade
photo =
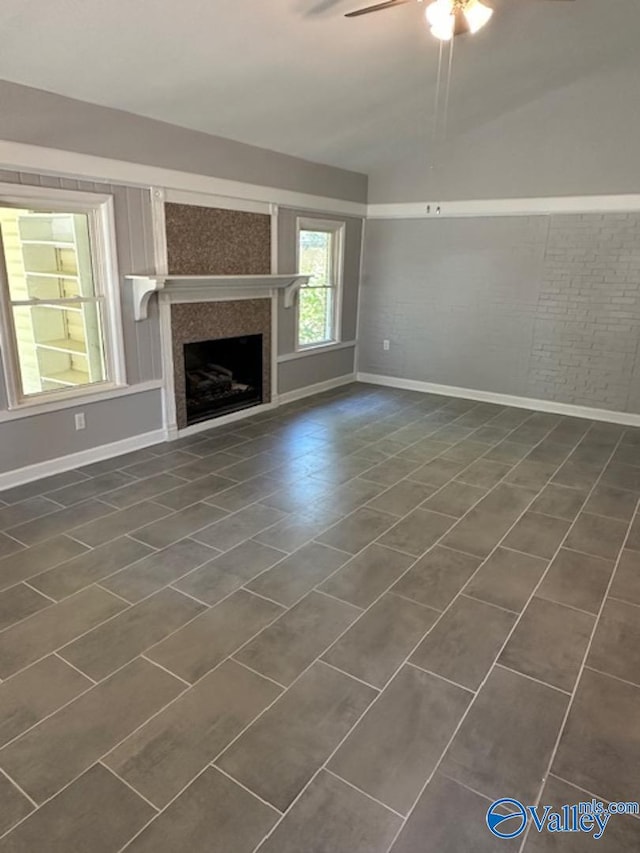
<point>389,4</point>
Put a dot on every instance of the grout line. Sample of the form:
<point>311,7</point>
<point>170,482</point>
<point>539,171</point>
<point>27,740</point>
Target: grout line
<point>68,663</point>
<point>335,597</point>
<point>240,785</point>
<point>498,665</point>
<point>44,594</point>
<point>362,792</point>
<point>589,793</point>
<point>441,677</point>
<point>168,671</point>
<point>4,773</point>
<point>349,674</point>
<point>473,597</point>
<point>255,672</point>
<point>127,784</point>
<point>611,675</point>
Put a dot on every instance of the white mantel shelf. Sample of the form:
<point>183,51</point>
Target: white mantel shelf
<point>144,286</point>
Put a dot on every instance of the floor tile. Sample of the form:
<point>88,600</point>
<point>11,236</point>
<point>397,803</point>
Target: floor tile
<point>18,602</point>
<point>350,496</point>
<point>484,526</point>
<point>213,815</point>
<point>467,451</point>
<point>622,833</point>
<point>33,532</point>
<point>163,756</point>
<point>438,472</point>
<point>593,534</point>
<point>417,532</point>
<point>142,490</point>
<point>117,463</point>
<point>633,540</point>
<point>508,452</point>
<point>159,464</point>
<point>41,487</point>
<point>298,573</point>
<point>31,561</point>
<point>11,516</point>
<point>616,644</point>
<point>438,577</point>
<point>332,817</point>
<point>577,579</point>
<point>195,649</point>
<point>539,535</point>
<point>224,574</point>
<point>390,471</point>
<point>485,473</point>
<point>612,502</point>
<point>277,756</point>
<point>66,744</point>
<point>239,495</point>
<point>600,747</point>
<point>506,740</point>
<point>549,643</point>
<point>158,569</point>
<point>626,583</point>
<point>367,575</point>
<point>622,477</point>
<point>9,546</point>
<point>381,640</point>
<point>107,647</point>
<point>51,628</point>
<point>560,501</point>
<point>15,806</point>
<point>183,523</point>
<point>394,749</point>
<point>466,641</point>
<point>296,530</point>
<point>449,818</point>
<point>36,692</point>
<point>507,579</point>
<point>303,493</point>
<point>291,643</point>
<point>242,525</point>
<point>90,567</point>
<point>213,464</point>
<point>576,475</point>
<point>402,498</point>
<point>196,490</point>
<point>531,474</point>
<point>97,812</point>
<point>119,523</point>
<point>455,499</point>
<point>93,488</point>
<point>357,530</point>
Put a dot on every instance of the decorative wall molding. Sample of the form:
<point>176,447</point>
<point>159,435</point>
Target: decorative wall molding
<point>21,157</point>
<point>505,207</point>
<point>606,415</point>
<point>76,460</point>
<point>317,388</point>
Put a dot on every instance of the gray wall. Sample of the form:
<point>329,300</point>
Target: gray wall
<point>579,139</point>
<point>542,307</point>
<point>318,368</point>
<point>42,118</point>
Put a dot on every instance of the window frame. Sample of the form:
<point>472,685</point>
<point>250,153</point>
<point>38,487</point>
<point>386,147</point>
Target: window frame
<point>99,209</point>
<point>337,228</point>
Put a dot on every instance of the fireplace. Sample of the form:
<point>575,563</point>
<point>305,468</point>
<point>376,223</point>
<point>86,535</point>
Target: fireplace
<point>222,376</point>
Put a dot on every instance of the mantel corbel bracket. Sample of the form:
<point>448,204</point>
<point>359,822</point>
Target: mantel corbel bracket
<point>143,290</point>
<point>292,289</point>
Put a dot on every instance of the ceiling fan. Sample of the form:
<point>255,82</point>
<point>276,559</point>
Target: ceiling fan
<point>447,18</point>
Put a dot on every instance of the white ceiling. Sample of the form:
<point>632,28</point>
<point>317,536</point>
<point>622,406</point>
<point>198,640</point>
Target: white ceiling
<point>296,76</point>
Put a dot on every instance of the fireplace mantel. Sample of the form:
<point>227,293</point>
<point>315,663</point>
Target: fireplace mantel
<point>203,288</point>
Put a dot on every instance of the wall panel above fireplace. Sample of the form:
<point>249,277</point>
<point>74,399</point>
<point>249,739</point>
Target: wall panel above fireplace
<point>213,241</point>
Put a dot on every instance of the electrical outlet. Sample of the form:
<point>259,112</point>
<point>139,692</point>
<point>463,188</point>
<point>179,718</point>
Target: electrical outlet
<point>385,345</point>
<point>80,421</point>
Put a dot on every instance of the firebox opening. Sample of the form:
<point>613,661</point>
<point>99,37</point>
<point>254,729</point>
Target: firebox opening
<point>222,376</point>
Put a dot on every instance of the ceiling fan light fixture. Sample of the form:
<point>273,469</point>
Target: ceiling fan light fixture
<point>441,19</point>
<point>477,15</point>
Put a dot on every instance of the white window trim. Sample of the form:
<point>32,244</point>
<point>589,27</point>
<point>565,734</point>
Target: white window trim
<point>100,210</point>
<point>338,229</point>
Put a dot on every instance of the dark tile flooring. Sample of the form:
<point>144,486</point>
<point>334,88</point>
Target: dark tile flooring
<point>342,627</point>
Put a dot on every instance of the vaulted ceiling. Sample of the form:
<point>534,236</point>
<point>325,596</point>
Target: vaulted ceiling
<point>297,77</point>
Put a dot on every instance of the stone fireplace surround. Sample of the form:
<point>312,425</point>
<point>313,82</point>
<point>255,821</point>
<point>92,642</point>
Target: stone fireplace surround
<point>200,307</point>
<point>202,321</point>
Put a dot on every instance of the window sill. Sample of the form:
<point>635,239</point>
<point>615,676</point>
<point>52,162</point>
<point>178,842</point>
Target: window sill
<point>33,408</point>
<point>318,349</point>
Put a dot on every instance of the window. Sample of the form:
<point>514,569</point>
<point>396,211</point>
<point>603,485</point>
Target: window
<point>320,255</point>
<point>59,294</point>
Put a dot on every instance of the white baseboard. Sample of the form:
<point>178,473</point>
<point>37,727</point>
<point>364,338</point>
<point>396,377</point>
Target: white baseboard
<point>607,415</point>
<point>76,460</point>
<point>317,388</point>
